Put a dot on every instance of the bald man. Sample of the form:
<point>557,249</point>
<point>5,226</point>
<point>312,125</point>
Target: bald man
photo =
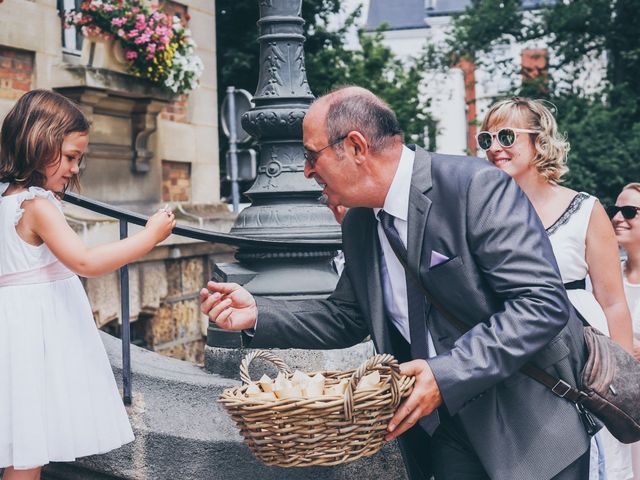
<point>464,231</point>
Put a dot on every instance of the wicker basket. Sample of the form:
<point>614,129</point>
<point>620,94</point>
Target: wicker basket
<point>324,430</point>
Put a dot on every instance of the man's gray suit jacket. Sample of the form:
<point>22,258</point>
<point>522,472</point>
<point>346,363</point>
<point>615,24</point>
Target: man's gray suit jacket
<point>501,280</point>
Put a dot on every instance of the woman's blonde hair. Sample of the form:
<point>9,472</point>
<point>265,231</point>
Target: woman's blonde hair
<point>551,146</point>
<point>32,134</point>
<point>632,186</point>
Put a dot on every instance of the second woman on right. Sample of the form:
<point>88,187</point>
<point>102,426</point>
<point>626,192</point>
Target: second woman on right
<point>520,136</point>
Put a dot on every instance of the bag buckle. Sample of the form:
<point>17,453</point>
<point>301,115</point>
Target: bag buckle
<point>557,388</point>
<point>590,425</point>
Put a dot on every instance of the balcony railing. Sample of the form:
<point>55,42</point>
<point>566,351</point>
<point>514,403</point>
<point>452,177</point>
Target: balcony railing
<point>126,217</point>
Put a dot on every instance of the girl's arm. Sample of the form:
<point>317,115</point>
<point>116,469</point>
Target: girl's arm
<point>48,224</point>
<point>606,276</point>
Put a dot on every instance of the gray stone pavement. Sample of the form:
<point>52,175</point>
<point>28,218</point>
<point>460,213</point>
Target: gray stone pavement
<point>183,433</point>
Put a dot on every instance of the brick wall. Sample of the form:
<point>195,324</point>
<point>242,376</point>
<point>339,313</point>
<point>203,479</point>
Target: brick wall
<point>16,72</point>
<point>469,70</point>
<point>177,110</point>
<point>535,72</point>
<point>176,181</point>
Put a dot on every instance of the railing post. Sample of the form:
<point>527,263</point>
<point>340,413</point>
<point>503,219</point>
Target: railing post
<point>126,332</point>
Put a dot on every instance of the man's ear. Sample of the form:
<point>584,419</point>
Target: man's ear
<point>357,145</point>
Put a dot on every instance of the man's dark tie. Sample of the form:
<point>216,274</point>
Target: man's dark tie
<point>416,308</point>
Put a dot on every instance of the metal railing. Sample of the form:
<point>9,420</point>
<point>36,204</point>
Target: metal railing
<point>125,217</point>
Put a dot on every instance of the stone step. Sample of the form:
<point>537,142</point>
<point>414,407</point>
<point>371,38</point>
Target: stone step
<point>182,432</point>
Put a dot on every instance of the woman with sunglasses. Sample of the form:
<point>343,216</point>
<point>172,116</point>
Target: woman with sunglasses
<point>520,136</point>
<point>625,217</point>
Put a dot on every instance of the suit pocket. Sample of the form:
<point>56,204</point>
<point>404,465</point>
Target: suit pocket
<point>451,264</point>
<point>554,352</point>
<point>447,282</point>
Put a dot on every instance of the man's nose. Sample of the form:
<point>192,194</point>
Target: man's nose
<point>308,170</point>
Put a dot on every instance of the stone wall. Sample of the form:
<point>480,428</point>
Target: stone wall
<point>163,298</point>
<point>163,285</point>
<point>186,130</point>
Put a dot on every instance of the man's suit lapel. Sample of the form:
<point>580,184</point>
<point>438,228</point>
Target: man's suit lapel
<point>419,206</point>
<point>379,327</point>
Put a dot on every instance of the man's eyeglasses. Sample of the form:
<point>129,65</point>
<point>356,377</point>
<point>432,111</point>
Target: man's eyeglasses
<point>311,156</point>
<point>628,211</point>
<point>506,137</point>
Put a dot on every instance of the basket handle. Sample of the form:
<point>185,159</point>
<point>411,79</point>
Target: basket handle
<point>267,355</point>
<point>380,359</point>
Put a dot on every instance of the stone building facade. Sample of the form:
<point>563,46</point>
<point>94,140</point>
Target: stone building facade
<point>147,148</point>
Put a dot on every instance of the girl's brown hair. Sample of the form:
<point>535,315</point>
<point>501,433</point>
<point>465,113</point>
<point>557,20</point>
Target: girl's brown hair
<point>32,135</point>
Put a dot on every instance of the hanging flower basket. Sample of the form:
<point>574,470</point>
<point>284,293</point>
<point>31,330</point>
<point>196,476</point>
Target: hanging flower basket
<point>152,45</point>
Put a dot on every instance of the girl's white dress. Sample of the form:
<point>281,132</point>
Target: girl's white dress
<point>568,239</point>
<point>58,397</point>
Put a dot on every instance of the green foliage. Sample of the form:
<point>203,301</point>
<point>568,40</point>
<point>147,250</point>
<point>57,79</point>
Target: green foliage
<point>603,127</point>
<point>375,67</point>
<point>605,142</point>
<point>329,63</point>
<point>485,23</point>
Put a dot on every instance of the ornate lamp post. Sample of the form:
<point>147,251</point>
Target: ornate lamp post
<point>284,203</point>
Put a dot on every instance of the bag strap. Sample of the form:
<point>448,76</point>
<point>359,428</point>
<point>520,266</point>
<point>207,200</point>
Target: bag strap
<point>558,386</point>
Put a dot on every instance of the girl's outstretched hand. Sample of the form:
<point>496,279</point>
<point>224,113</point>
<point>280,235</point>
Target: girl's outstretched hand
<point>161,223</point>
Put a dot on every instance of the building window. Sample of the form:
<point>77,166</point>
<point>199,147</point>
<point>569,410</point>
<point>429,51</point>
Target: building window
<point>71,40</point>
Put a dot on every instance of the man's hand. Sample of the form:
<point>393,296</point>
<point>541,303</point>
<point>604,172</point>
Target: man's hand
<point>229,306</point>
<point>636,348</point>
<point>424,398</point>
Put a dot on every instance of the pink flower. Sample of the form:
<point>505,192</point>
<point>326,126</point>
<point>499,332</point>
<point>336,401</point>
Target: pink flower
<point>131,55</point>
<point>121,33</point>
<point>133,33</point>
<point>108,8</point>
<point>118,21</point>
<point>151,48</point>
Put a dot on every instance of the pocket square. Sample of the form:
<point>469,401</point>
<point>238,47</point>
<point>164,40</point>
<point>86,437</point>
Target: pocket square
<point>437,259</point>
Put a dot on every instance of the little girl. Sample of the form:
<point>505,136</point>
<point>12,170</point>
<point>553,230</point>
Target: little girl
<point>58,397</point>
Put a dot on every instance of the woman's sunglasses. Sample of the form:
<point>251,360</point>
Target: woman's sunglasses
<point>628,211</point>
<point>506,137</point>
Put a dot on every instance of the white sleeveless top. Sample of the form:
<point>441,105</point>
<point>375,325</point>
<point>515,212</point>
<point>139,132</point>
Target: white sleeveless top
<point>632,292</point>
<point>568,239</point>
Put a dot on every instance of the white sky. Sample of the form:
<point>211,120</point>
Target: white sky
<point>348,6</point>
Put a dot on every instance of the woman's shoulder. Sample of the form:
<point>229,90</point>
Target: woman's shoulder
<point>573,204</point>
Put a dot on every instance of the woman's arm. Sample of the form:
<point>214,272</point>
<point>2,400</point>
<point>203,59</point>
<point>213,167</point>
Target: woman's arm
<point>606,276</point>
<point>48,223</point>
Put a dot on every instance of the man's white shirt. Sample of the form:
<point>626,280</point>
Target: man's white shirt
<point>394,286</point>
